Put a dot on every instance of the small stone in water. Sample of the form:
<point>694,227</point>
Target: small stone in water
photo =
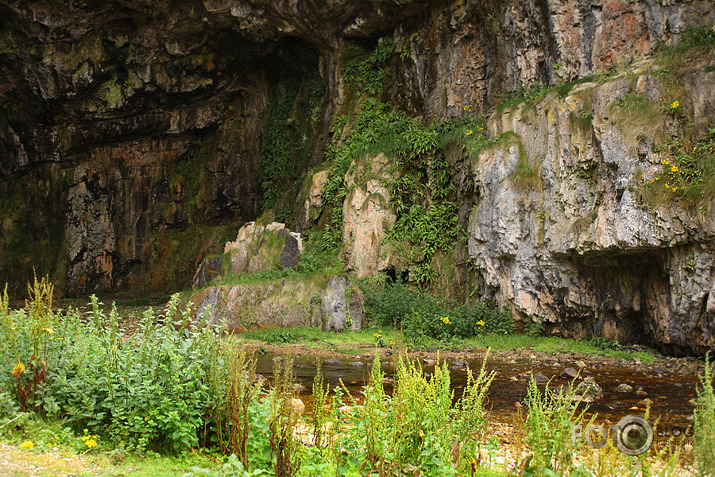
<point>568,373</point>
<point>297,405</point>
<point>540,378</point>
<point>624,388</point>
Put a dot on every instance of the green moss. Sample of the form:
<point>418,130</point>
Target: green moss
<point>526,174</point>
<point>188,177</point>
<point>294,113</point>
<point>32,222</point>
<point>174,256</point>
<point>582,121</point>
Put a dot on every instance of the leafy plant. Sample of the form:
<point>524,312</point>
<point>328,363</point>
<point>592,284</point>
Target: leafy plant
<point>421,315</point>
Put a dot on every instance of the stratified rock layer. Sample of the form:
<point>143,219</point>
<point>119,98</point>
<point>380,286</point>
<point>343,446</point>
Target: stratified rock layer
<point>135,135</point>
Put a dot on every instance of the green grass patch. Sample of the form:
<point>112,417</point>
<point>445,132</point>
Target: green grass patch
<point>695,44</point>
<point>638,118</point>
<point>347,342</point>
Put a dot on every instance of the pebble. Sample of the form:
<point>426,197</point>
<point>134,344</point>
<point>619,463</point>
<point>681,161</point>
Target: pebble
<point>540,378</point>
<point>624,388</point>
<point>568,373</point>
<point>297,405</point>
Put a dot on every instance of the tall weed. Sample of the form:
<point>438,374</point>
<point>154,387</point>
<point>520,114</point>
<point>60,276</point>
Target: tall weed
<point>704,437</point>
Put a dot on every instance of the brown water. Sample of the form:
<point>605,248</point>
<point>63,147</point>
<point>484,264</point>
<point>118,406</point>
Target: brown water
<point>670,392</point>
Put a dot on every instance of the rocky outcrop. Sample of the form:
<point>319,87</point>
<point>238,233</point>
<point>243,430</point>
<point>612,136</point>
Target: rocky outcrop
<point>367,216</point>
<point>256,248</point>
<point>329,302</point>
<point>138,127</point>
<point>563,233</point>
<point>134,135</point>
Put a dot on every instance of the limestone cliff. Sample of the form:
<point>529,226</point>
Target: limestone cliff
<point>137,136</point>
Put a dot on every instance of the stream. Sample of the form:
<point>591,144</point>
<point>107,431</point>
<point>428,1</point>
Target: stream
<point>671,390</point>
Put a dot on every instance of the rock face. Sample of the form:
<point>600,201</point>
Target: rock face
<point>341,306</point>
<point>574,245</point>
<point>256,248</point>
<point>367,216</point>
<point>329,302</point>
<point>134,135</point>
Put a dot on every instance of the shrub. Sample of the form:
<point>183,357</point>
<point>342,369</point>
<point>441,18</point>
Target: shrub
<point>421,315</point>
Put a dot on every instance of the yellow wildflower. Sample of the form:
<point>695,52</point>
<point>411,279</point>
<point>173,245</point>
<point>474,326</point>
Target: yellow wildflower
<point>652,180</point>
<point>667,186</point>
<point>675,189</point>
<point>695,148</point>
<point>91,443</point>
<point>467,108</point>
<point>469,132</point>
<point>48,330</point>
<point>27,445</point>
<point>18,369</point>
<point>445,320</point>
<point>392,342</point>
<point>674,169</point>
<point>481,323</point>
<point>675,104</point>
<point>657,178</point>
<point>666,162</point>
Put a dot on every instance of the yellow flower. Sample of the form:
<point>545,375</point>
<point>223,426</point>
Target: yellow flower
<point>674,169</point>
<point>657,178</point>
<point>469,132</point>
<point>481,323</point>
<point>652,180</point>
<point>392,342</point>
<point>666,162</point>
<point>90,443</point>
<point>49,331</point>
<point>18,369</point>
<point>27,445</point>
<point>667,186</point>
<point>675,105</point>
<point>674,189</point>
<point>445,320</point>
<point>467,108</point>
<point>695,148</point>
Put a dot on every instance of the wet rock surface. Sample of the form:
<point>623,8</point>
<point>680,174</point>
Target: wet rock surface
<point>132,138</point>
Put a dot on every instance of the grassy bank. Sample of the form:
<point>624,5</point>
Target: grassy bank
<point>358,342</point>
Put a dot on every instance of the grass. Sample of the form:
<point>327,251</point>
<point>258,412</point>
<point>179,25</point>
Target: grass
<point>638,118</point>
<point>358,341</point>
<point>57,451</point>
<point>704,437</point>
